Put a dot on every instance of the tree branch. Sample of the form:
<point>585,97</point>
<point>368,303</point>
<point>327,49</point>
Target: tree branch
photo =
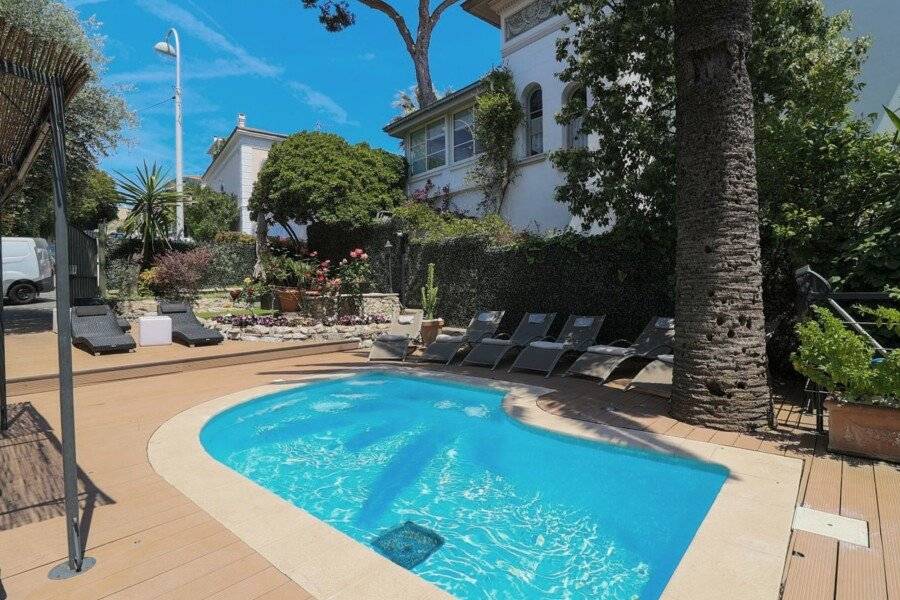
<point>396,17</point>
<point>439,10</point>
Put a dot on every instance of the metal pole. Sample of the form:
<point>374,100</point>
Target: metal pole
<point>101,259</point>
<point>64,337</point>
<point>4,414</point>
<point>179,158</point>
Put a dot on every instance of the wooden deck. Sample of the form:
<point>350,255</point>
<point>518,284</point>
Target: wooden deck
<point>152,542</point>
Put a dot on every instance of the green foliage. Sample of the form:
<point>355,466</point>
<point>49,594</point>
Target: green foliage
<point>804,73</point>
<point>208,213</point>
<point>235,237</point>
<point>429,293</point>
<point>354,274</point>
<point>498,115</point>
<point>425,223</point>
<point>319,177</point>
<point>95,118</point>
<point>151,200</point>
<point>840,360</point>
<point>95,202</point>
<point>282,270</point>
<point>885,317</point>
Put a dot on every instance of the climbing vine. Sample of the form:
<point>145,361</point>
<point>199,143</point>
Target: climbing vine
<point>498,114</point>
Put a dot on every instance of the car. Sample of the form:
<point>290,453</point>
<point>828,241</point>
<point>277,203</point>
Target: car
<point>27,269</point>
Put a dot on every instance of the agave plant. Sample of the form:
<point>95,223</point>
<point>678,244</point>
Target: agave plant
<point>151,199</point>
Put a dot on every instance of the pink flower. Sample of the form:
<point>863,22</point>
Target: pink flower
<point>344,262</point>
<point>364,256</point>
<point>314,254</point>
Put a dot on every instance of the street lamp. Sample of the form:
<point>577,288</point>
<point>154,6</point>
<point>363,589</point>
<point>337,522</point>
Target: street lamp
<point>167,49</point>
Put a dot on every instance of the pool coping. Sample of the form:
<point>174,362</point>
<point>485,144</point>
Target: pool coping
<point>739,547</point>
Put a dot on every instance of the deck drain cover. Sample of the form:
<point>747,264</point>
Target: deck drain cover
<point>408,545</point>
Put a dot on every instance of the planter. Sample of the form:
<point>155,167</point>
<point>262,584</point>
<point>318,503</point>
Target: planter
<point>288,299</point>
<point>864,430</point>
<point>431,328</point>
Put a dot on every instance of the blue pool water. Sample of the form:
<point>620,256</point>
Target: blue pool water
<point>523,513</point>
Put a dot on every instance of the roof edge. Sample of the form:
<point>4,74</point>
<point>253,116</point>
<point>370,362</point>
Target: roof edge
<point>483,10</point>
<point>413,118</point>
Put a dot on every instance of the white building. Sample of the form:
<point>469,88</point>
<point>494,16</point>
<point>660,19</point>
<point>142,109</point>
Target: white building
<point>236,161</point>
<point>438,139</point>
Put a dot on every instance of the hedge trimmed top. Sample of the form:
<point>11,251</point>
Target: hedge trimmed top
<point>319,177</point>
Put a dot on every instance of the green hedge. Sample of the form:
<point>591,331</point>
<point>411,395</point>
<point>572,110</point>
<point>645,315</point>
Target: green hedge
<point>232,261</point>
<point>628,280</point>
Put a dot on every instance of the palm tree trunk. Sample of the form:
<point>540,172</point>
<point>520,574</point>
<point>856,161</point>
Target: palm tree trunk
<point>720,374</point>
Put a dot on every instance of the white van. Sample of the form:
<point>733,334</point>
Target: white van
<point>27,269</point>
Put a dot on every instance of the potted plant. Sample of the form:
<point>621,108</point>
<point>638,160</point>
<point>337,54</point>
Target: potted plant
<point>431,326</point>
<point>290,278</point>
<point>863,386</point>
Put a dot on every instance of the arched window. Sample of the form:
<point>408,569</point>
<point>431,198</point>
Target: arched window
<point>575,137</point>
<point>535,122</point>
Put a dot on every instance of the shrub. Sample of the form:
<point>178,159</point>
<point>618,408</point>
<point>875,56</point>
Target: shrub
<point>425,223</point>
<point>178,275</point>
<point>209,213</point>
<point>235,237</point>
<point>842,361</point>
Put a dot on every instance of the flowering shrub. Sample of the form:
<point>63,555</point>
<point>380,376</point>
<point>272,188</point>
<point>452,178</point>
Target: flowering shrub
<point>250,291</point>
<point>354,274</point>
<point>278,321</point>
<point>178,275</point>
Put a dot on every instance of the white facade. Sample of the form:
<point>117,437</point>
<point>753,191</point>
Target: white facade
<point>529,32</point>
<point>234,169</point>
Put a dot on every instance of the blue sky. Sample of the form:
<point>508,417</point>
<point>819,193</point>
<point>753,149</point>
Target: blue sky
<point>271,60</point>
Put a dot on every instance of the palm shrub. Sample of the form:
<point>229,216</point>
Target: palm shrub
<point>844,363</point>
<point>151,199</point>
<point>429,294</point>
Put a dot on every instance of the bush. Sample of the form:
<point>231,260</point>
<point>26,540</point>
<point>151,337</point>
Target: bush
<point>209,213</point>
<point>179,275</point>
<point>231,262</point>
<point>235,237</point>
<point>842,361</point>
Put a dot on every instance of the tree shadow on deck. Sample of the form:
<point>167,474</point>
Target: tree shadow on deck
<point>32,476</point>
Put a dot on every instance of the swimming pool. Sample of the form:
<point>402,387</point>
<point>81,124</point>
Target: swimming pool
<point>523,513</point>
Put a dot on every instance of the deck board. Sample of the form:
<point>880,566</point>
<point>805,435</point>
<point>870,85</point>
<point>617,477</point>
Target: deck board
<point>150,541</point>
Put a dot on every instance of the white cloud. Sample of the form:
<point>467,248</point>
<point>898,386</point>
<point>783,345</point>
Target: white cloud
<point>189,23</point>
<point>321,103</point>
<point>241,62</point>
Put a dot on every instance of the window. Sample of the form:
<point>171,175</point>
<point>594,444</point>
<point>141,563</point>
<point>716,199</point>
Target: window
<point>427,148</point>
<point>535,123</point>
<point>464,143</point>
<point>575,137</point>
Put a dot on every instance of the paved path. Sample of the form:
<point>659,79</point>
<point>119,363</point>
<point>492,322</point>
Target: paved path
<point>30,318</point>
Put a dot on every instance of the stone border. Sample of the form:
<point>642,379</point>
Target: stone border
<point>739,548</point>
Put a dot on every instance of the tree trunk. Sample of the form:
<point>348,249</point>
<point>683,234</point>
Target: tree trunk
<point>424,86</point>
<point>720,374</point>
<point>262,246</point>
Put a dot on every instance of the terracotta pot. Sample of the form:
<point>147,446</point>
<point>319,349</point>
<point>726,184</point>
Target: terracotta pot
<point>289,298</point>
<point>431,328</point>
<point>864,430</point>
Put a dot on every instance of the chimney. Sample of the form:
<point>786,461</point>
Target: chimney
<point>241,120</point>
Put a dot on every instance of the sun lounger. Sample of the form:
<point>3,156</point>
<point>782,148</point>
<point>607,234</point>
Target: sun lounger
<point>601,360</point>
<point>445,347</point>
<point>95,330</point>
<point>491,350</point>
<point>577,335</point>
<point>656,377</point>
<point>186,328</point>
<point>395,344</point>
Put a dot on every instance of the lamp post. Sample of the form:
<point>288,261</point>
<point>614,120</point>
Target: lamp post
<point>390,265</point>
<point>167,49</point>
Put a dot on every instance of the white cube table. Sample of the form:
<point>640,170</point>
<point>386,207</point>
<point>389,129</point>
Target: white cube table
<point>155,330</point>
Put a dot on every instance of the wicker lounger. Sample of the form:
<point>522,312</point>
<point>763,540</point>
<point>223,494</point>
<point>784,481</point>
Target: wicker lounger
<point>186,328</point>
<point>96,330</point>
<point>656,377</point>
<point>601,360</point>
<point>445,347</point>
<point>579,332</point>
<point>491,350</point>
<point>395,344</point>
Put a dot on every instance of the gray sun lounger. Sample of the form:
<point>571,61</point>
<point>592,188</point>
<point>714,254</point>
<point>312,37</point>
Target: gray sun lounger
<point>579,332</point>
<point>395,344</point>
<point>95,329</point>
<point>186,328</point>
<point>491,350</point>
<point>655,378</point>
<point>445,347</point>
<point>601,360</point>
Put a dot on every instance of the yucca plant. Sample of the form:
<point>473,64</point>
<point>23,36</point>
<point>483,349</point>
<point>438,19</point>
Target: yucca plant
<point>429,294</point>
<point>151,199</point>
